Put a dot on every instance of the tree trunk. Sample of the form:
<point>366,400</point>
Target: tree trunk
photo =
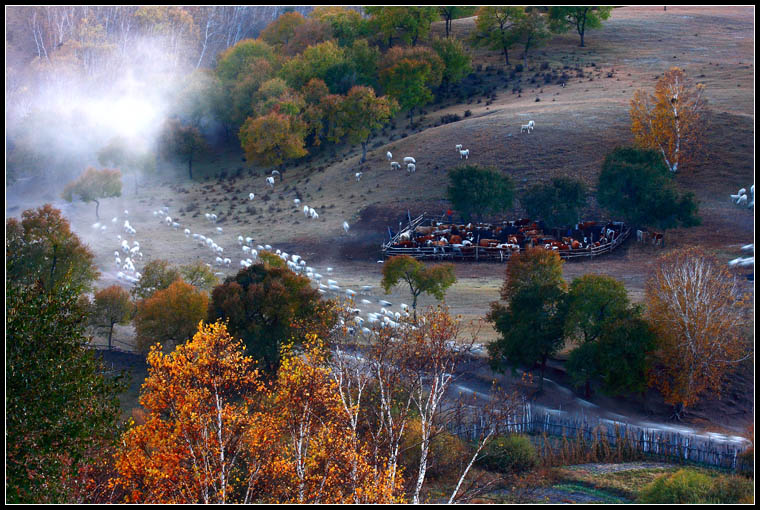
<point>135,183</point>
<point>506,55</point>
<point>97,206</point>
<point>110,334</point>
<point>587,391</point>
<point>190,167</point>
<point>543,370</point>
<point>364,150</point>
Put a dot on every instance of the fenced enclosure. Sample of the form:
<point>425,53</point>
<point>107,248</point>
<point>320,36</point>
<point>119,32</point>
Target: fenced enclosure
<point>493,252</point>
<point>664,445</point>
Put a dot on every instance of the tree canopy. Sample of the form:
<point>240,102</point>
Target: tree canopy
<point>479,191</point>
<point>496,28</point>
<point>636,186</point>
<point>434,279</point>
<point>558,203</point>
<point>42,247</point>
<point>94,185</point>
<point>563,18</point>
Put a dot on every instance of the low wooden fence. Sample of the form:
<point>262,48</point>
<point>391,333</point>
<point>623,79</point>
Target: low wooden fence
<point>671,446</point>
<point>480,253</point>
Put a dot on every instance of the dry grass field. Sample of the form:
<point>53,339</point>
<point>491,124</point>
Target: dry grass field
<point>576,126</point>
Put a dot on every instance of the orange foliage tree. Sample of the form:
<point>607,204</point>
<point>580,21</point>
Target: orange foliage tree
<point>169,315</point>
<point>697,312</point>
<point>672,120</point>
<point>215,433</point>
<point>111,306</point>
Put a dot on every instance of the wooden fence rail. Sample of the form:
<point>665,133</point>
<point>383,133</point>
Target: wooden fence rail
<point>669,445</point>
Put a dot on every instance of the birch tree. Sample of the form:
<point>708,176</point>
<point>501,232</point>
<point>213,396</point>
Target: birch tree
<point>672,120</point>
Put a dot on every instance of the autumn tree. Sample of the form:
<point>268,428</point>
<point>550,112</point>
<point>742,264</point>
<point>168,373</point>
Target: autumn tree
<point>496,28</point>
<point>59,405</point>
<point>698,314</point>
<point>169,316</point>
<point>530,324</point>
<point>636,186</point>
<point>478,191</point>
<point>182,141</point>
<point>558,203</point>
<point>204,440</point>
<point>272,139</point>
<point>266,305</point>
<point>433,280</point>
<point>673,120</point>
<point>563,18</point>
<point>452,12</point>
<point>94,185</point>
<point>156,275</point>
<point>199,275</point>
<point>42,247</point>
<point>128,156</point>
<point>315,62</point>
<point>363,113</point>
<point>280,31</point>
<point>111,306</point>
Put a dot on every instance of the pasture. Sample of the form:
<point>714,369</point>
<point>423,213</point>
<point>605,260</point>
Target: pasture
<point>575,127</point>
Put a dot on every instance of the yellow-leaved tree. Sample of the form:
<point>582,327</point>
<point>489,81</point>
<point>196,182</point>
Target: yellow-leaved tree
<point>672,120</point>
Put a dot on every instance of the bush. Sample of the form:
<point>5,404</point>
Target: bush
<point>507,454</point>
<point>689,486</point>
<point>448,453</point>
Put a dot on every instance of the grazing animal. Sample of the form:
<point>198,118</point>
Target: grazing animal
<point>459,147</point>
<point>527,127</point>
<point>251,196</point>
<point>296,201</point>
<point>270,182</point>
<point>409,159</point>
<point>219,229</point>
<point>345,226</point>
<point>464,154</point>
<point>389,155</point>
<point>313,213</point>
<point>187,232</point>
<point>395,165</point>
<point>358,176</point>
<point>411,168</point>
<point>306,210</point>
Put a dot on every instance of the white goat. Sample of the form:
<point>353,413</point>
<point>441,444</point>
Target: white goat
<point>409,159</point>
<point>464,154</point>
<point>527,128</point>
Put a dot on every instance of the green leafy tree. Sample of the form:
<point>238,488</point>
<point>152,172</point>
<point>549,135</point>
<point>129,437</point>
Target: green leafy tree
<point>636,186</point>
<point>111,306</point>
<point>347,24</point>
<point>594,304</point>
<point>497,28</point>
<point>452,12</point>
<point>169,316</point>
<point>563,18</point>
<point>42,247</point>
<point>409,75</point>
<point>59,405</point>
<point>363,113</point>
<point>364,59</point>
<point>624,355</point>
<point>456,61</point>
<point>199,275</point>
<point>532,31</point>
<point>530,324</point>
<point>406,23</point>
<point>94,185</point>
<point>558,203</point>
<point>156,275</point>
<point>129,156</point>
<point>315,62</point>
<point>474,190</point>
<point>183,142</point>
<point>267,305</point>
<point>433,280</point>
<point>280,31</point>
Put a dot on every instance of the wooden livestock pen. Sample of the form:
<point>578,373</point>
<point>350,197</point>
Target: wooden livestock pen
<point>587,240</point>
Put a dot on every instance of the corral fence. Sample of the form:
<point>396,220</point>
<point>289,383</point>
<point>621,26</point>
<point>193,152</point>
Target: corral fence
<point>477,253</point>
<point>670,446</point>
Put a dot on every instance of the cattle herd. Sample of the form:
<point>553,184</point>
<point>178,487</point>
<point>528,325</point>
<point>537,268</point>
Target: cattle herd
<point>488,242</point>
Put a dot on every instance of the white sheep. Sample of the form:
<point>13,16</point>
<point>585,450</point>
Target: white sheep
<point>270,182</point>
<point>411,168</point>
<point>213,217</point>
<point>240,240</point>
<point>251,196</point>
<point>409,159</point>
<point>248,240</point>
<point>459,147</point>
<point>358,176</point>
<point>219,229</point>
<point>175,225</point>
<point>187,232</point>
<point>527,128</point>
<point>395,165</point>
<point>389,155</point>
<point>227,262</point>
<point>313,213</point>
<point>296,201</point>
<point>464,154</point>
<point>246,249</point>
<point>219,261</point>
<point>345,226</point>
<point>306,210</point>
